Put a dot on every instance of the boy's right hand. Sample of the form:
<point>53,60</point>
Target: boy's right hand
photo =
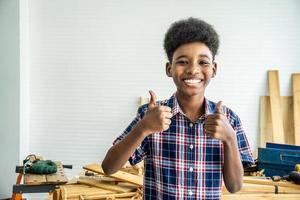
<point>157,118</point>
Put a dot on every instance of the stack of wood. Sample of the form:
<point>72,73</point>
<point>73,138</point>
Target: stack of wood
<point>125,184</point>
<point>280,115</point>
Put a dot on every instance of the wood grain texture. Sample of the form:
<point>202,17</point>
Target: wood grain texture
<point>266,127</point>
<point>296,107</point>
<point>275,102</point>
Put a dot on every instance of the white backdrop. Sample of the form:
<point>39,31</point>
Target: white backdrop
<point>91,60</point>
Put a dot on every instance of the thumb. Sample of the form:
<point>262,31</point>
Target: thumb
<point>152,101</point>
<point>219,107</point>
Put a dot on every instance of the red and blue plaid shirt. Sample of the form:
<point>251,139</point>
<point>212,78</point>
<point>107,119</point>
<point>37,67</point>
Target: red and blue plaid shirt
<point>183,162</point>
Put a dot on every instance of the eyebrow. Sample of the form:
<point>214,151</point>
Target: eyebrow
<point>200,55</point>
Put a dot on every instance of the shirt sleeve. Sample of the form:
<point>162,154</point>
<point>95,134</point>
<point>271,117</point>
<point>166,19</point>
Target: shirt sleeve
<point>242,141</point>
<point>140,153</point>
<point>243,144</point>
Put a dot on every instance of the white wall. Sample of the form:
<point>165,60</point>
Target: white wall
<point>90,60</point>
<point>9,94</point>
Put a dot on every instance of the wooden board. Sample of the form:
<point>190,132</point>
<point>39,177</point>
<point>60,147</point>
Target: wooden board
<point>266,129</point>
<point>57,178</point>
<point>261,197</point>
<point>123,176</point>
<point>275,102</point>
<point>296,108</point>
<point>270,182</point>
<point>106,185</point>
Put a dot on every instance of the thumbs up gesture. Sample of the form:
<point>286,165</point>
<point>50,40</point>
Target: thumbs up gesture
<point>217,125</point>
<point>157,118</point>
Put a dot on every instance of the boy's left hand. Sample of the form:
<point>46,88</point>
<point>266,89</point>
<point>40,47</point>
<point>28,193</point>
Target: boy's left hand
<point>217,125</point>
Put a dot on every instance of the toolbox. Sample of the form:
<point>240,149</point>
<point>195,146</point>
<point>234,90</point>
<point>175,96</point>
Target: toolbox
<point>278,159</point>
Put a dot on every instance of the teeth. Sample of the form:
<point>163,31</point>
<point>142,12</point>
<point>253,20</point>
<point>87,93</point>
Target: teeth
<point>192,81</point>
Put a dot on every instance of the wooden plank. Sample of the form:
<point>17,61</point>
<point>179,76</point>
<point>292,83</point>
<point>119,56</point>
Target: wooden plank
<point>123,176</point>
<point>59,177</point>
<point>275,102</point>
<point>266,129</point>
<point>257,188</point>
<point>288,119</point>
<point>260,196</point>
<point>34,179</point>
<point>105,185</point>
<point>270,182</point>
<point>75,190</point>
<point>296,101</point>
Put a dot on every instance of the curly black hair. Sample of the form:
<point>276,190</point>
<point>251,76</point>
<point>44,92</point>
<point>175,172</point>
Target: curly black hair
<point>190,30</point>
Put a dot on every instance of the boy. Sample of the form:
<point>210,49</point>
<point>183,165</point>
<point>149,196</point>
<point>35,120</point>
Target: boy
<point>187,142</point>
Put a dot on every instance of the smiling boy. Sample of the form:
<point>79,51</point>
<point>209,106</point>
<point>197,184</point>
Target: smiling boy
<point>189,144</point>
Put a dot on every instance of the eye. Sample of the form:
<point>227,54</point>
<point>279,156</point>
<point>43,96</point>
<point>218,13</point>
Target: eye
<point>183,62</point>
<point>204,63</point>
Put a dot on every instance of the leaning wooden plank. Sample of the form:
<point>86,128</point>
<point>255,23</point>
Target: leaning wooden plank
<point>105,185</point>
<point>270,182</point>
<point>260,196</point>
<point>266,129</point>
<point>296,101</point>
<point>59,177</point>
<point>288,119</point>
<point>275,102</point>
<point>123,176</point>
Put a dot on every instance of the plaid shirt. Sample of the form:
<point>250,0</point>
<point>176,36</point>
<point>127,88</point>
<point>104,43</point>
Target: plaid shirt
<point>183,162</point>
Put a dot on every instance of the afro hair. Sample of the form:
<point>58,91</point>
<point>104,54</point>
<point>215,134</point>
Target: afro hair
<point>190,30</point>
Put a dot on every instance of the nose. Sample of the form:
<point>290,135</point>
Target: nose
<point>193,68</point>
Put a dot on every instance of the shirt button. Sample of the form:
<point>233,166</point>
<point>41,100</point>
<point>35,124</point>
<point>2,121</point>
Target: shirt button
<point>191,169</point>
<point>191,146</point>
<point>190,192</point>
<point>191,125</point>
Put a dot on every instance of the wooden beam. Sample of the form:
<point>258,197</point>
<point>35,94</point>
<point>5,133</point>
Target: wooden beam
<point>275,102</point>
<point>296,102</point>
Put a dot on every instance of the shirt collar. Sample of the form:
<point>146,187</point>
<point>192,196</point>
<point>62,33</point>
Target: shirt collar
<point>175,108</point>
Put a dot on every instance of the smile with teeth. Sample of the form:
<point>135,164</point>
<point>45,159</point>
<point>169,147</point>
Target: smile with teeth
<point>192,81</point>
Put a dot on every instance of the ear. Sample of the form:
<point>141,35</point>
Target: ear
<point>215,67</point>
<point>168,69</point>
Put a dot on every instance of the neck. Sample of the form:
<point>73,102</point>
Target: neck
<point>192,106</point>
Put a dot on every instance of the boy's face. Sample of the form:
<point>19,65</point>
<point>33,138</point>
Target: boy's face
<point>191,68</point>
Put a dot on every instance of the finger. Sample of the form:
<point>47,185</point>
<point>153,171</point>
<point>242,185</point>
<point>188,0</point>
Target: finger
<point>167,121</point>
<point>211,122</point>
<point>168,115</point>
<point>219,107</point>
<point>166,108</point>
<point>152,101</point>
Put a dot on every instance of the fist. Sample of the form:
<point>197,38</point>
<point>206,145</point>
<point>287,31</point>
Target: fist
<point>217,125</point>
<point>157,118</point>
